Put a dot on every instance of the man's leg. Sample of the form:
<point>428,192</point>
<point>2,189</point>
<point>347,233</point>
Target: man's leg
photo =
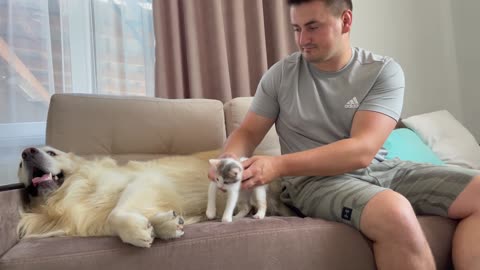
<point>466,240</point>
<point>389,221</point>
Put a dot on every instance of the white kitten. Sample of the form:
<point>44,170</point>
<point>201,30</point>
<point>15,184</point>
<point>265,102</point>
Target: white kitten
<point>228,177</point>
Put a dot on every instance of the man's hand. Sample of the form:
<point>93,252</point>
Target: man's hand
<point>260,170</point>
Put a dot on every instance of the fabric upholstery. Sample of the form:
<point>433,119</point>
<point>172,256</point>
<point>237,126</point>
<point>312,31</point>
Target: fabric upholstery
<point>273,243</point>
<point>10,202</point>
<point>106,125</point>
<point>235,111</point>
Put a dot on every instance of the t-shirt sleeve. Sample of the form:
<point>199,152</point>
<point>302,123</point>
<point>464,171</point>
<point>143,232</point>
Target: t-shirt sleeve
<point>265,101</point>
<point>386,95</point>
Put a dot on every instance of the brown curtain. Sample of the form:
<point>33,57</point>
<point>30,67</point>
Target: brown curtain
<point>217,49</point>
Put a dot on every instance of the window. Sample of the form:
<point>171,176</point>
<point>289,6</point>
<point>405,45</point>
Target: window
<point>66,46</point>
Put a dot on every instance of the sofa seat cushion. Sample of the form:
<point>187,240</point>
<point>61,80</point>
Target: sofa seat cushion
<point>272,243</point>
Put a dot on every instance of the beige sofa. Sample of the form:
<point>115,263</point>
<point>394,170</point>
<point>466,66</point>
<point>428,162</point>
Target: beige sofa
<point>144,128</point>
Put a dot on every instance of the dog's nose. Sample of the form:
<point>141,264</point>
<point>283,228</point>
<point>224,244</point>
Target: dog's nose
<point>29,152</point>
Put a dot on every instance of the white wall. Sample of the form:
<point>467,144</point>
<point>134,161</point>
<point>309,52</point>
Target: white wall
<point>420,36</point>
<point>467,36</point>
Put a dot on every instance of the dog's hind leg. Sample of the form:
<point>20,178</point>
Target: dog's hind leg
<point>167,225</point>
<point>131,227</point>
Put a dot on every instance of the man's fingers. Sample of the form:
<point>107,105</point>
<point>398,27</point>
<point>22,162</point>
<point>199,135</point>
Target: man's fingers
<point>248,162</point>
<point>248,184</point>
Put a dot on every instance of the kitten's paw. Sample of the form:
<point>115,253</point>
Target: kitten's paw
<point>259,216</point>
<point>227,219</point>
<point>211,213</point>
<point>168,225</point>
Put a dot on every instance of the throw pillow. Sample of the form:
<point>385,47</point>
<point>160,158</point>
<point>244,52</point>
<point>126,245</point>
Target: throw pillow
<point>404,144</point>
<point>447,137</point>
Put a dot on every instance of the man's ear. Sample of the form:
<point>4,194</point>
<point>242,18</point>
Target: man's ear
<point>347,18</point>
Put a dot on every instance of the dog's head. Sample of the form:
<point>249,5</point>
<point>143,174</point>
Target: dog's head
<point>42,170</point>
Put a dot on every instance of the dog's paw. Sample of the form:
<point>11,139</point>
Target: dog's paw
<point>168,225</point>
<point>138,232</point>
<point>211,213</point>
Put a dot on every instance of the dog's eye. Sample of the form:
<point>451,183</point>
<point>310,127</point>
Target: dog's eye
<point>51,153</point>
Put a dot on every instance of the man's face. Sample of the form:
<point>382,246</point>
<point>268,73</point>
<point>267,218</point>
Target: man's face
<point>318,33</point>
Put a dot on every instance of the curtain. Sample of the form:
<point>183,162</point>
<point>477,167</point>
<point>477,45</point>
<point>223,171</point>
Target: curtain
<point>66,46</point>
<point>217,48</point>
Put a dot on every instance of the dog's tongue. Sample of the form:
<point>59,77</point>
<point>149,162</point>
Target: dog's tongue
<point>45,177</point>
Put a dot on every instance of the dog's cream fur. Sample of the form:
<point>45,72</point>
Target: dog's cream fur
<point>137,202</point>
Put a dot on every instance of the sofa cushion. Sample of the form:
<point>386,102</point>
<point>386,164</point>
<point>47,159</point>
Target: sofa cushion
<point>235,111</point>
<point>405,144</point>
<point>272,243</point>
<point>447,137</point>
<point>109,125</point>
<point>10,203</point>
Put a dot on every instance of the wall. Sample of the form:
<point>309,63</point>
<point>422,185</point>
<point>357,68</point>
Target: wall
<point>420,36</point>
<point>467,36</point>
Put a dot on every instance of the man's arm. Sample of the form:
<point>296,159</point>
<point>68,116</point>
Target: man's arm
<point>369,132</point>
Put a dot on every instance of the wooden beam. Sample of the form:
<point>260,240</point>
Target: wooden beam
<point>10,57</point>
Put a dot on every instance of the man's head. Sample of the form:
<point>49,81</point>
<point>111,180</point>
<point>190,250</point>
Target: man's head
<point>336,6</point>
<point>322,30</point>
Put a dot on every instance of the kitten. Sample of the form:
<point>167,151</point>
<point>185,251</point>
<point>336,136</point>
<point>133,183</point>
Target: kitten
<point>229,178</point>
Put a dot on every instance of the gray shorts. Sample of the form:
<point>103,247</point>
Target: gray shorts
<point>430,189</point>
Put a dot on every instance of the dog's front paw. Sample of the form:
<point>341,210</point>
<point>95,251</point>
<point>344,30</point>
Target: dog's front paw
<point>168,225</point>
<point>138,232</point>
<point>211,213</point>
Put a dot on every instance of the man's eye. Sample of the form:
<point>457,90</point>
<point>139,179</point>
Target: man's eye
<point>51,153</point>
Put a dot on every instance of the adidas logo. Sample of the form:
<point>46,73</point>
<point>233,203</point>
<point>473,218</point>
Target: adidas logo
<point>352,103</point>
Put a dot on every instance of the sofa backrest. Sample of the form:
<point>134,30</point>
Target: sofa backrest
<point>106,125</point>
<point>235,111</point>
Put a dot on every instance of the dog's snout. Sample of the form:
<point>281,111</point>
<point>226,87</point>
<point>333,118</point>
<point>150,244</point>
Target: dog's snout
<point>29,152</point>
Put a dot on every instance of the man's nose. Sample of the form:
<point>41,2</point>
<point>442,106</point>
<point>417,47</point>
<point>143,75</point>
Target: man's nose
<point>29,152</point>
<point>303,38</point>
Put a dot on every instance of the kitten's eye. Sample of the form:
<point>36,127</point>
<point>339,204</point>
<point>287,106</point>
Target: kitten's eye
<point>51,153</point>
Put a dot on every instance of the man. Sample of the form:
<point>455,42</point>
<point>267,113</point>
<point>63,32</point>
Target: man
<point>334,106</point>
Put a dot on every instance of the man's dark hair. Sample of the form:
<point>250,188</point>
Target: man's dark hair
<point>337,6</point>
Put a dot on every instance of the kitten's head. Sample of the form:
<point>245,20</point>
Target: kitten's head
<point>227,171</point>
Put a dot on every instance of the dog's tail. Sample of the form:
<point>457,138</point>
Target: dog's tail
<point>195,219</point>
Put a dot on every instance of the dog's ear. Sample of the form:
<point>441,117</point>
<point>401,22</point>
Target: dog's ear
<point>214,162</point>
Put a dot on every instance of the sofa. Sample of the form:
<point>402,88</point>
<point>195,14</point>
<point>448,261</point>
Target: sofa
<point>143,128</point>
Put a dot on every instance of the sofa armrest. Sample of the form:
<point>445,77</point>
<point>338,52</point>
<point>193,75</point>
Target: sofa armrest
<point>11,199</point>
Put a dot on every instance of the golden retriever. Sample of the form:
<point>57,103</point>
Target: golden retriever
<point>73,196</point>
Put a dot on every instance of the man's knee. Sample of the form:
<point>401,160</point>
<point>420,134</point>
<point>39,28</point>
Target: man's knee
<point>389,215</point>
<point>468,201</point>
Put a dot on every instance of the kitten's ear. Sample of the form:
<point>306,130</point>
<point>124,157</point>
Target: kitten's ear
<point>214,162</point>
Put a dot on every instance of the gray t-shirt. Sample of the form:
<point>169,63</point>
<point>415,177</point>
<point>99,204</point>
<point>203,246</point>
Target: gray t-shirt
<point>313,108</point>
